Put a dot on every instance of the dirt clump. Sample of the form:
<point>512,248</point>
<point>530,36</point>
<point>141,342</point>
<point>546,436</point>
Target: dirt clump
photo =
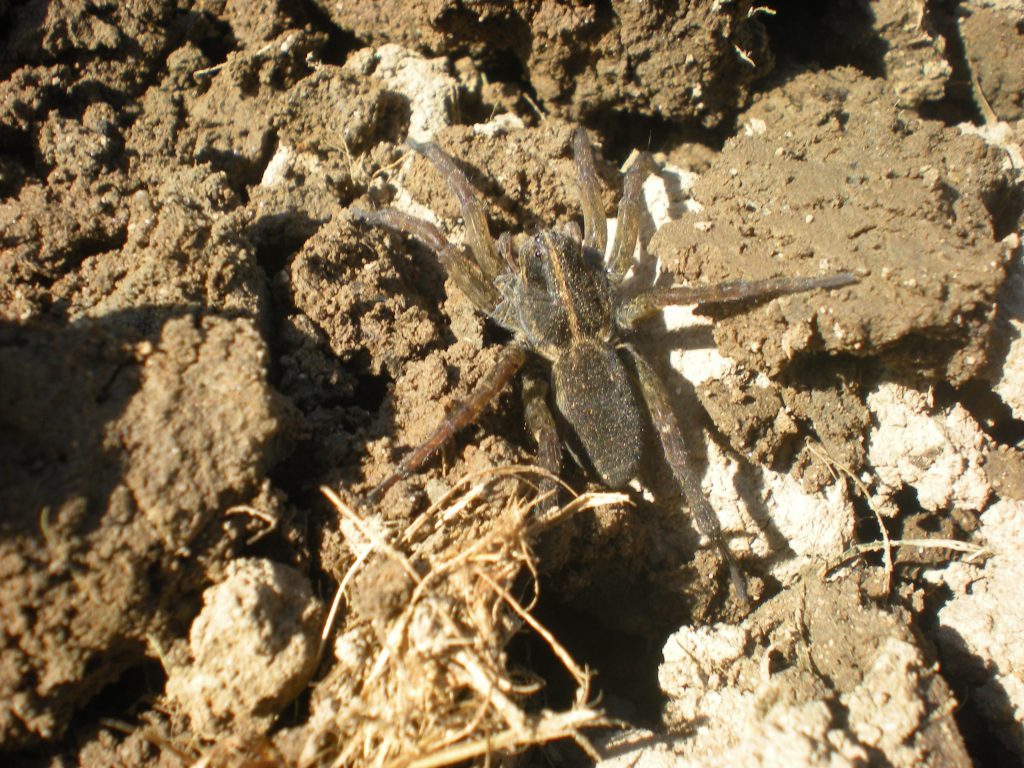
<point>803,189</point>
<point>992,41</point>
<point>816,676</point>
<point>803,185</point>
<point>587,59</point>
<point>92,506</point>
<point>251,649</point>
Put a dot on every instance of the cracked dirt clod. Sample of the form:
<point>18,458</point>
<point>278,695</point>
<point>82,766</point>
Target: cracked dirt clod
<point>898,37</point>
<point>586,59</point>
<point>993,44</point>
<point>93,412</point>
<point>827,175</point>
<point>817,676</point>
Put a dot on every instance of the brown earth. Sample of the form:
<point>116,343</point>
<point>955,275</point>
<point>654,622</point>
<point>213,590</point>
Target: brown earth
<point>196,333</point>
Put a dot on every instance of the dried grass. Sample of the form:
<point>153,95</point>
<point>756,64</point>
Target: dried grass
<point>421,677</point>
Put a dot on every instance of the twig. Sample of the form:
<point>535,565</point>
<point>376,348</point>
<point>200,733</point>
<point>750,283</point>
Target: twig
<point>266,517</point>
<point>484,476</point>
<point>975,551</point>
<point>535,107</point>
<point>987,113</point>
<point>581,503</point>
<point>744,56</point>
<point>372,536</point>
<point>582,676</point>
<point>332,615</point>
<point>886,543</point>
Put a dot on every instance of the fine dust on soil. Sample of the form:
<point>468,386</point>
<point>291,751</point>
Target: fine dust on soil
<point>196,334</point>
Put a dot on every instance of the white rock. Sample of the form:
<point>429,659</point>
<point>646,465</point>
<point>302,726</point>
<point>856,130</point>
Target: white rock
<point>499,125</point>
<point>288,162</point>
<point>253,647</point>
<point>427,83</point>
<point>816,676</point>
<point>982,627</point>
<point>1010,324</point>
<point>667,194</point>
<point>705,677</point>
<point>939,455</point>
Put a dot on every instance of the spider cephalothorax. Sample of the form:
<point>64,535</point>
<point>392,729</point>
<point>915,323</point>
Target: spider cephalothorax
<point>560,298</point>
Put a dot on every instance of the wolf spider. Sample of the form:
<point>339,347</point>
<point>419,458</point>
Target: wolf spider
<point>562,301</point>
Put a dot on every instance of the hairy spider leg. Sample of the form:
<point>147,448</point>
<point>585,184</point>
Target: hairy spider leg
<point>572,230</point>
<point>465,272</point>
<point>649,303</point>
<point>541,423</point>
<point>677,455</point>
<point>507,251</point>
<point>477,231</point>
<point>465,413</point>
<point>476,278</point>
<point>595,226</point>
<point>631,209</point>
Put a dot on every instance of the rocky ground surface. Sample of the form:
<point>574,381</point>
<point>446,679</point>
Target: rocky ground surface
<point>197,333</point>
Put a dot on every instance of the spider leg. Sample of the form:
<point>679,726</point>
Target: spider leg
<point>650,302</point>
<point>595,226</point>
<point>541,424</point>
<point>507,251</point>
<point>479,234</point>
<point>465,272</point>
<point>464,414</point>
<point>572,231</point>
<point>631,207</point>
<point>678,457</point>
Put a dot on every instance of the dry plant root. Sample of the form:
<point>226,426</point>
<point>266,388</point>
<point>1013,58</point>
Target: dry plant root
<point>425,681</point>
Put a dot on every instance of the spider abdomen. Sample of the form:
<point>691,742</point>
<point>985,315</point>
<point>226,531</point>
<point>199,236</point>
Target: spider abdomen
<point>594,395</point>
